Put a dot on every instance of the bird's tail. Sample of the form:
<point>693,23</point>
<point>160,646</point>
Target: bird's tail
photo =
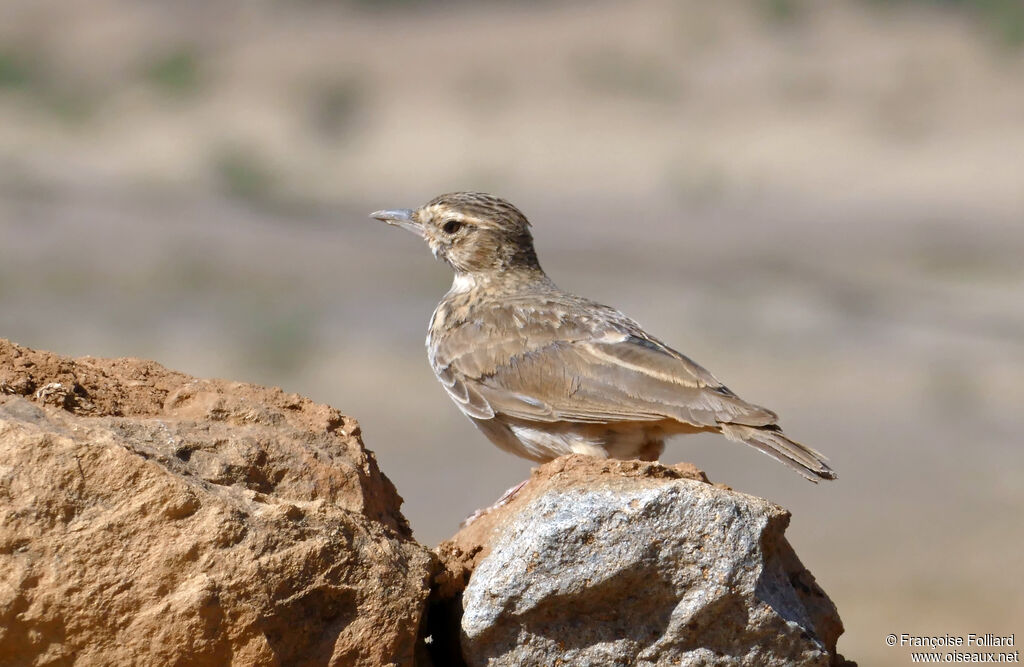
<point>773,442</point>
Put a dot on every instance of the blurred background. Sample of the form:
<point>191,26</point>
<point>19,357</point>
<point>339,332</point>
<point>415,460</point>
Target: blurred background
<point>821,202</point>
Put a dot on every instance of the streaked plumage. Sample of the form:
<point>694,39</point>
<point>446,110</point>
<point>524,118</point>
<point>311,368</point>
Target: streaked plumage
<point>544,373</point>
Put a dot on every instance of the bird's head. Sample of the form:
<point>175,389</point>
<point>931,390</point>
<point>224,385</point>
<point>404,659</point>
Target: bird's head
<point>473,232</point>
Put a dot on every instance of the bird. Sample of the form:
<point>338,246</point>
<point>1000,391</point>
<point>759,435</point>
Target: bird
<point>542,372</point>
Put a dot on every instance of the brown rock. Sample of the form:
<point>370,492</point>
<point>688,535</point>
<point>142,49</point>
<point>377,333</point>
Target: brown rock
<point>147,517</point>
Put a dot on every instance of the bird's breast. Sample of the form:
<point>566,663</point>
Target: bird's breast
<point>450,316</point>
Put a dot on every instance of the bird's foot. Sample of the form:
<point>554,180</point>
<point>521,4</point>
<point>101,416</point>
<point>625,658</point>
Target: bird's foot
<point>501,502</point>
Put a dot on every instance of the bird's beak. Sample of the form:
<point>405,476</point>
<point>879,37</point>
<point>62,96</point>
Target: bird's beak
<point>401,217</point>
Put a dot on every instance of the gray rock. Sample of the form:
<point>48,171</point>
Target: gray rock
<point>626,563</point>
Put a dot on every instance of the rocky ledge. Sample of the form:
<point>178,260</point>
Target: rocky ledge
<point>148,517</point>
<point>605,562</point>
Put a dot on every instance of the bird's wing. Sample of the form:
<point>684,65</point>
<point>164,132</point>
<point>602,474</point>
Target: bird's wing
<point>541,364</point>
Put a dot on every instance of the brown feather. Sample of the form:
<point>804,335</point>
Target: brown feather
<point>543,372</point>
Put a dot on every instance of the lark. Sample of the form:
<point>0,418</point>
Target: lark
<point>543,373</point>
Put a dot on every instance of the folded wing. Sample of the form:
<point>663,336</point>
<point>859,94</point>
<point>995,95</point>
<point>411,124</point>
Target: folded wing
<point>596,371</point>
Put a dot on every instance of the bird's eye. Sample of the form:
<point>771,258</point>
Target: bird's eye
<point>452,226</point>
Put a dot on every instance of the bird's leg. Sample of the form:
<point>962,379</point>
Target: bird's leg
<point>651,450</point>
<point>510,494</point>
<point>500,502</point>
